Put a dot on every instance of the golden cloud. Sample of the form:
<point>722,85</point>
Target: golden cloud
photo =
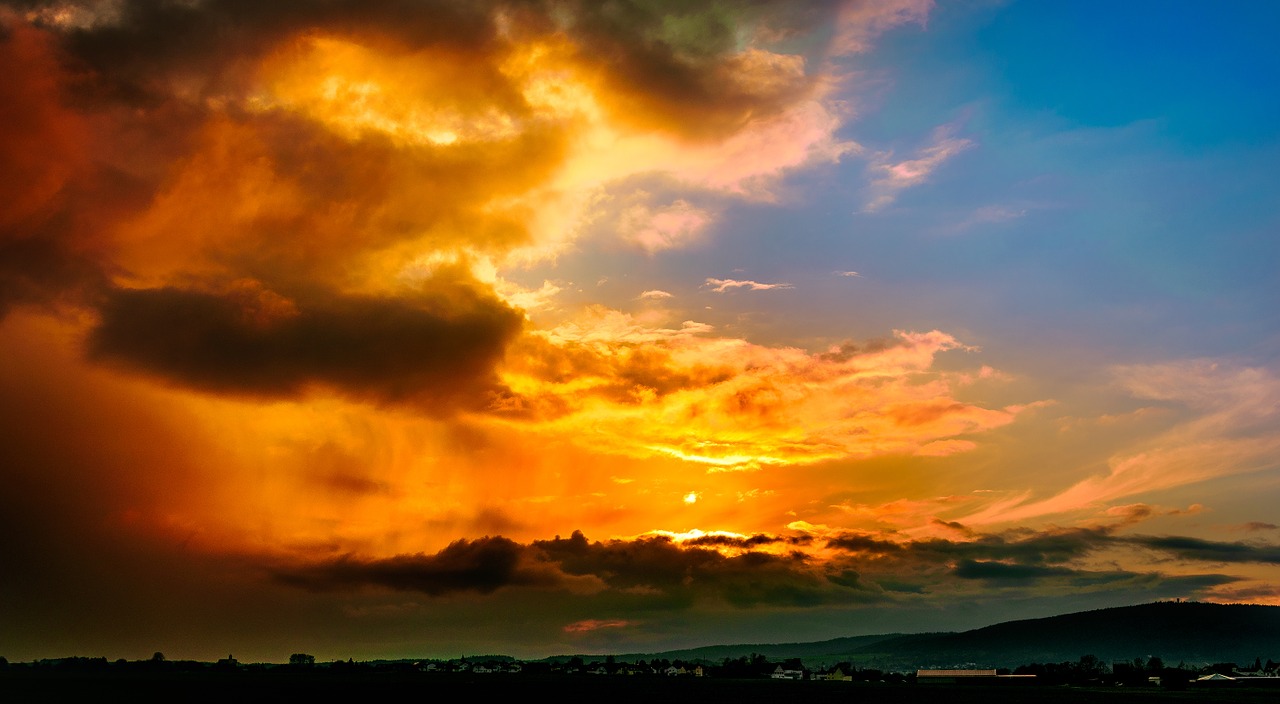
<point>621,387</point>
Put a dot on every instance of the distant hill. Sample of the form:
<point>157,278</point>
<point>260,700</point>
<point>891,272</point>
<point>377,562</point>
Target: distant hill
<point>1175,631</point>
<point>774,651</point>
<point>1190,632</point>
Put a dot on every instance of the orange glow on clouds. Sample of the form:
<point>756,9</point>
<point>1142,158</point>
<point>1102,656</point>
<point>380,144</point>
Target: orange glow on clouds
<point>732,405</point>
<point>269,301</point>
<point>364,166</point>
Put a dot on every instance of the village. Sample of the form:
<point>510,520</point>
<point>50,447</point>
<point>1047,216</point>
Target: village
<point>1089,671</point>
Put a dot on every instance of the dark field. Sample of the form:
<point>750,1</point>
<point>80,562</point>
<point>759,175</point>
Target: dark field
<point>276,687</point>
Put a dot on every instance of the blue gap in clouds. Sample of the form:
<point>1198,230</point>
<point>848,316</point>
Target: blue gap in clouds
<point>1208,70</point>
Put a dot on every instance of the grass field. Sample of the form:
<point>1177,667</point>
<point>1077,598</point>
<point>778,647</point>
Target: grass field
<point>300,687</point>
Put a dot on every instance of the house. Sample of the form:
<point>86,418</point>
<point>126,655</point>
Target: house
<point>782,674</point>
<point>228,663</point>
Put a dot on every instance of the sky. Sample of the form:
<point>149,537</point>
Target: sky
<point>423,328</point>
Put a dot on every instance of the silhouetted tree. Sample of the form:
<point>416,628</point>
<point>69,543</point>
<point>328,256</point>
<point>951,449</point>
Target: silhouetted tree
<point>1091,665</point>
<point>302,660</point>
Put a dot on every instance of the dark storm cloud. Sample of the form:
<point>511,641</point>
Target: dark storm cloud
<point>1011,575</point>
<point>255,342</point>
<point>1002,572</point>
<point>669,570</point>
<point>142,40</point>
<point>1185,548</point>
<point>676,61</point>
<point>861,543</point>
<point>648,573</point>
<point>751,541</point>
<point>1041,558</point>
<point>1030,547</point>
<point>1010,558</point>
<point>642,573</point>
<point>673,65</point>
<point>483,565</point>
<point>955,526</point>
<point>42,271</point>
<point>1018,546</point>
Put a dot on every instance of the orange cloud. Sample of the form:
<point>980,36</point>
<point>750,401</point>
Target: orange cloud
<point>595,624</point>
<point>345,150</point>
<point>296,234</point>
<point>729,404</point>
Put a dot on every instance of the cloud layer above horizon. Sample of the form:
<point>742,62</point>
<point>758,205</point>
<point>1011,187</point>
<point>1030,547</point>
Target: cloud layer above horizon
<point>347,307</point>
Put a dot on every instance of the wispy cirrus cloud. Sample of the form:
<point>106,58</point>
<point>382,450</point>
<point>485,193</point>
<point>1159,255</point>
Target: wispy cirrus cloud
<point>985,216</point>
<point>1229,429</point>
<point>724,285</point>
<point>595,624</point>
<point>890,176</point>
<point>858,24</point>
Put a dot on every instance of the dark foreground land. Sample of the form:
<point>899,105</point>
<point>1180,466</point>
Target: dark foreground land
<point>276,687</point>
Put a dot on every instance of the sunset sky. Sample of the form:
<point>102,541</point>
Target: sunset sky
<point>421,328</point>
